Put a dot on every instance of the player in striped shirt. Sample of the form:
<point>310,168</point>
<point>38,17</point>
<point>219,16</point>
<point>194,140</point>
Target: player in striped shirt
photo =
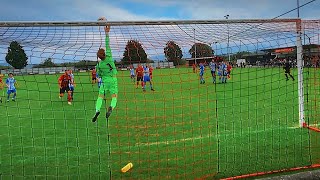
<point>223,72</point>
<point>139,72</point>
<point>201,73</point>
<point>71,83</point>
<point>229,68</point>
<point>99,80</point>
<point>93,76</point>
<point>132,75</point>
<point>64,82</point>
<point>151,71</point>
<point>213,68</point>
<point>11,83</point>
<point>146,78</point>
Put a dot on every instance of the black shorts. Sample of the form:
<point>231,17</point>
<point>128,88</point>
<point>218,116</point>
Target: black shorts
<point>94,78</point>
<point>64,89</point>
<point>213,73</point>
<point>139,78</point>
<point>287,72</point>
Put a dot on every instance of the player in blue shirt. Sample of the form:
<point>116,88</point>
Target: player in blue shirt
<point>132,75</point>
<point>146,78</point>
<point>71,83</point>
<point>223,72</point>
<point>201,73</point>
<point>213,68</point>
<point>11,83</point>
<point>99,80</point>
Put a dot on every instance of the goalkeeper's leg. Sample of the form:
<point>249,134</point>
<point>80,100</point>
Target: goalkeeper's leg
<point>291,76</point>
<point>287,78</point>
<point>114,97</point>
<point>98,107</point>
<point>99,102</point>
<point>112,105</point>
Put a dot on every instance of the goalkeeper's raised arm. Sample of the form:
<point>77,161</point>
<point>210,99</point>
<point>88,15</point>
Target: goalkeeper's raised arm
<point>108,49</point>
<point>107,72</point>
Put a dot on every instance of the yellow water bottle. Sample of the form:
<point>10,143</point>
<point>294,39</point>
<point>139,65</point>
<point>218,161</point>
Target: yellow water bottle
<point>127,167</point>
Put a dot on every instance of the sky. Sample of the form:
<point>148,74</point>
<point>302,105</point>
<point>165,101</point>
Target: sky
<point>143,10</point>
<point>129,10</point>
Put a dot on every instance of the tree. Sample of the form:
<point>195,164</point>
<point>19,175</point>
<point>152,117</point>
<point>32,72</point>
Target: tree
<point>173,52</point>
<point>203,50</point>
<point>84,64</point>
<point>134,53</point>
<point>240,55</point>
<point>16,56</point>
<point>48,63</point>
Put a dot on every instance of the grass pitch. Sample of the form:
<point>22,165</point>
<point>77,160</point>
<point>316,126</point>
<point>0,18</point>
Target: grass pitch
<point>183,130</point>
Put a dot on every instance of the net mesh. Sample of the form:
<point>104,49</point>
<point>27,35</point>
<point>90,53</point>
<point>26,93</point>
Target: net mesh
<point>184,129</point>
<point>312,63</point>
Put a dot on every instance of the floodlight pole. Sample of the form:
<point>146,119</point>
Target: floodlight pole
<point>298,8</point>
<point>227,17</point>
<point>195,46</point>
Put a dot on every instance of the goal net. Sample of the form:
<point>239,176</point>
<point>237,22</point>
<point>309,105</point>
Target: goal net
<point>225,103</point>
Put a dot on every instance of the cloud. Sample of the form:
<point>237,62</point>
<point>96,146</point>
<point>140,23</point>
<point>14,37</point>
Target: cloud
<point>68,10</point>
<point>128,10</point>
<point>96,8</point>
<point>208,9</point>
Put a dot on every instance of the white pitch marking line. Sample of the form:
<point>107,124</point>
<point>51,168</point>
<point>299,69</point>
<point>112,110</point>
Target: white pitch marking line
<point>207,136</point>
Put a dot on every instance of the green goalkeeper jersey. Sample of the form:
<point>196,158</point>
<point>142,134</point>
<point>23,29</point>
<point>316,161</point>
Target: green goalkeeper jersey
<point>106,67</point>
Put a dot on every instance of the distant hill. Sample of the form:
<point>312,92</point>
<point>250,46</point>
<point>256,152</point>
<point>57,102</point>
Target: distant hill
<point>29,66</point>
<point>4,64</point>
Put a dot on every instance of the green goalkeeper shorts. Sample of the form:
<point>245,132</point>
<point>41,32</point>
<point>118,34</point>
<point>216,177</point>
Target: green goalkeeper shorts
<point>110,85</point>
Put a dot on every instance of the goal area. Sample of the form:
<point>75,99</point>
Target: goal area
<point>232,99</point>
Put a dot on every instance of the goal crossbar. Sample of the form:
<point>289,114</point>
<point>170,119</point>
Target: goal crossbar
<point>132,23</point>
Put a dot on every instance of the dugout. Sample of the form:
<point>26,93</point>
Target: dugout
<point>309,50</point>
<point>311,53</point>
<point>262,57</point>
<point>205,60</point>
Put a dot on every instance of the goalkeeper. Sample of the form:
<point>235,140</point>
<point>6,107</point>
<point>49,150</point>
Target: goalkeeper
<point>287,67</point>
<point>107,72</point>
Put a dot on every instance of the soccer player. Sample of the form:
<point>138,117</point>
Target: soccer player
<point>151,71</point>
<point>1,87</point>
<point>132,75</point>
<point>213,68</point>
<point>99,81</point>
<point>219,71</point>
<point>287,67</point>
<point>64,82</point>
<point>71,83</point>
<point>139,72</point>
<point>194,67</point>
<point>223,72</point>
<point>107,71</point>
<point>229,68</point>
<point>146,78</point>
<point>94,76</point>
<point>11,83</point>
<point>201,73</point>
